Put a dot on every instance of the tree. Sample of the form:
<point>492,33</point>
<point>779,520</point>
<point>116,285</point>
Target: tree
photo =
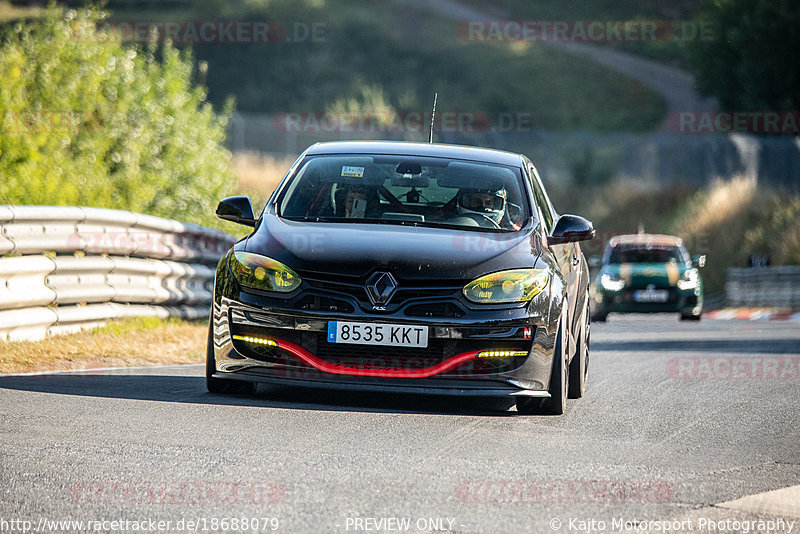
<point>87,120</point>
<point>749,62</point>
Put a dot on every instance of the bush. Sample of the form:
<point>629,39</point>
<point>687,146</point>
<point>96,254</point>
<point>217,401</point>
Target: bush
<point>736,219</point>
<point>87,121</point>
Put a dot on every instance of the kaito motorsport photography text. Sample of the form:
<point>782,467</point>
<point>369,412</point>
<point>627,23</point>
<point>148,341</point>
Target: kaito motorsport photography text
<point>701,524</point>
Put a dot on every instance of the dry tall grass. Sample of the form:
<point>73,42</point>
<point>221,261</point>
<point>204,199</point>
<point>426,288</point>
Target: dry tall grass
<point>130,342</point>
<point>11,12</point>
<point>722,204</point>
<point>259,174</point>
<point>734,219</point>
<point>729,220</point>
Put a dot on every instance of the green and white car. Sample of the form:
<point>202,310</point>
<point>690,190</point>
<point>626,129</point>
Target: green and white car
<point>647,273</point>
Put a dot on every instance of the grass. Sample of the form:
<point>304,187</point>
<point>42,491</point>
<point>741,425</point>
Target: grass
<point>258,175</point>
<point>130,342</point>
<point>670,51</point>
<point>738,218</point>
<point>587,9</point>
<point>624,207</point>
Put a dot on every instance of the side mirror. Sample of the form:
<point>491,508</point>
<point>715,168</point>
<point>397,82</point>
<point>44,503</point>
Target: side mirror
<point>237,209</point>
<point>699,260</point>
<point>595,261</point>
<point>570,229</point>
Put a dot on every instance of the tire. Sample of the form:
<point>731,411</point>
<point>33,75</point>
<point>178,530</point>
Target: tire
<point>557,403</point>
<point>599,317</point>
<point>221,385</point>
<point>690,317</point>
<point>579,366</point>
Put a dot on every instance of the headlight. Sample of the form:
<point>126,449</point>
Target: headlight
<point>260,272</point>
<point>518,285</point>
<point>611,282</point>
<point>688,280</point>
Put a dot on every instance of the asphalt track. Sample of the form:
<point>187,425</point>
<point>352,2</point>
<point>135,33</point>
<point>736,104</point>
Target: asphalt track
<point>679,419</point>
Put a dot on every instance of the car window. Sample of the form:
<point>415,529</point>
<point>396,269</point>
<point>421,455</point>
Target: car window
<point>648,253</point>
<point>542,202</point>
<point>413,190</point>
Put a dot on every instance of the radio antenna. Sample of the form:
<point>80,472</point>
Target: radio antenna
<point>433,116</point>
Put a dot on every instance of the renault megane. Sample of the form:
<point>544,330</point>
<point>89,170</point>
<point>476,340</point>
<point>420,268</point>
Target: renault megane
<point>405,267</point>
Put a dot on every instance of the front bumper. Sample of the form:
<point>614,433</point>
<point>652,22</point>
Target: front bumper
<point>288,346</point>
<point>681,301</point>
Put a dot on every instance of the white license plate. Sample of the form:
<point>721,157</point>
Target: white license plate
<point>394,335</point>
<point>651,295</point>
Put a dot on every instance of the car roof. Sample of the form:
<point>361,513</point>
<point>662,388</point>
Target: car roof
<point>402,148</point>
<point>646,239</point>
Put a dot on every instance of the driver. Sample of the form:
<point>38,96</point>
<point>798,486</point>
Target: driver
<point>490,203</point>
<point>355,204</point>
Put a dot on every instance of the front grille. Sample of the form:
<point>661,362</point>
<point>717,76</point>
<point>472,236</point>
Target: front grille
<point>672,297</point>
<point>405,357</point>
<point>378,357</point>
<point>437,351</point>
<point>435,309</point>
<point>320,303</point>
<point>424,298</point>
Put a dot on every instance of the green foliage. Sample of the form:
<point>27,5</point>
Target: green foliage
<point>587,9</point>
<point>87,121</point>
<point>751,61</point>
<point>677,13</point>
<point>409,53</point>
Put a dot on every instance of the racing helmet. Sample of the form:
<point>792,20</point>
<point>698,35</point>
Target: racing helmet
<point>490,203</point>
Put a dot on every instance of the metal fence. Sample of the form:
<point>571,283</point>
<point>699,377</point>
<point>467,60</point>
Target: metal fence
<point>64,269</point>
<point>764,287</point>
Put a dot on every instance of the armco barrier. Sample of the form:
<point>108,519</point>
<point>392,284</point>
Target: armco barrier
<point>777,287</point>
<point>63,269</point>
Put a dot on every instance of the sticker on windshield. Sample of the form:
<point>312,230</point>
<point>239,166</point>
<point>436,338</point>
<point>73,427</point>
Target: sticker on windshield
<point>355,172</point>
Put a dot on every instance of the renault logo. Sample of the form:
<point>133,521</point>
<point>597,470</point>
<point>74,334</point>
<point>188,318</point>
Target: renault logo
<point>380,288</point>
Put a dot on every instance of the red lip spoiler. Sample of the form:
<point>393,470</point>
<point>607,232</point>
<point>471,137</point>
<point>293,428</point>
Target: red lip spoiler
<point>302,354</point>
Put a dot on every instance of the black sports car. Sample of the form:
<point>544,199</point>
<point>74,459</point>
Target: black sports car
<point>405,267</point>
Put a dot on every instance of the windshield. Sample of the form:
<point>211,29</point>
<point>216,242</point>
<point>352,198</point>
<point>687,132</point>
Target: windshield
<point>646,254</point>
<point>411,190</point>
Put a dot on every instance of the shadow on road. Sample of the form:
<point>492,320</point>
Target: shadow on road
<point>694,346</point>
<point>192,390</point>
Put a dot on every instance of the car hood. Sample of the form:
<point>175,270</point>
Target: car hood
<point>356,249</point>
<point>646,273</point>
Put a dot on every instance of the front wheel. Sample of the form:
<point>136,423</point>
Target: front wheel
<point>221,385</point>
<point>579,366</point>
<point>557,403</point>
